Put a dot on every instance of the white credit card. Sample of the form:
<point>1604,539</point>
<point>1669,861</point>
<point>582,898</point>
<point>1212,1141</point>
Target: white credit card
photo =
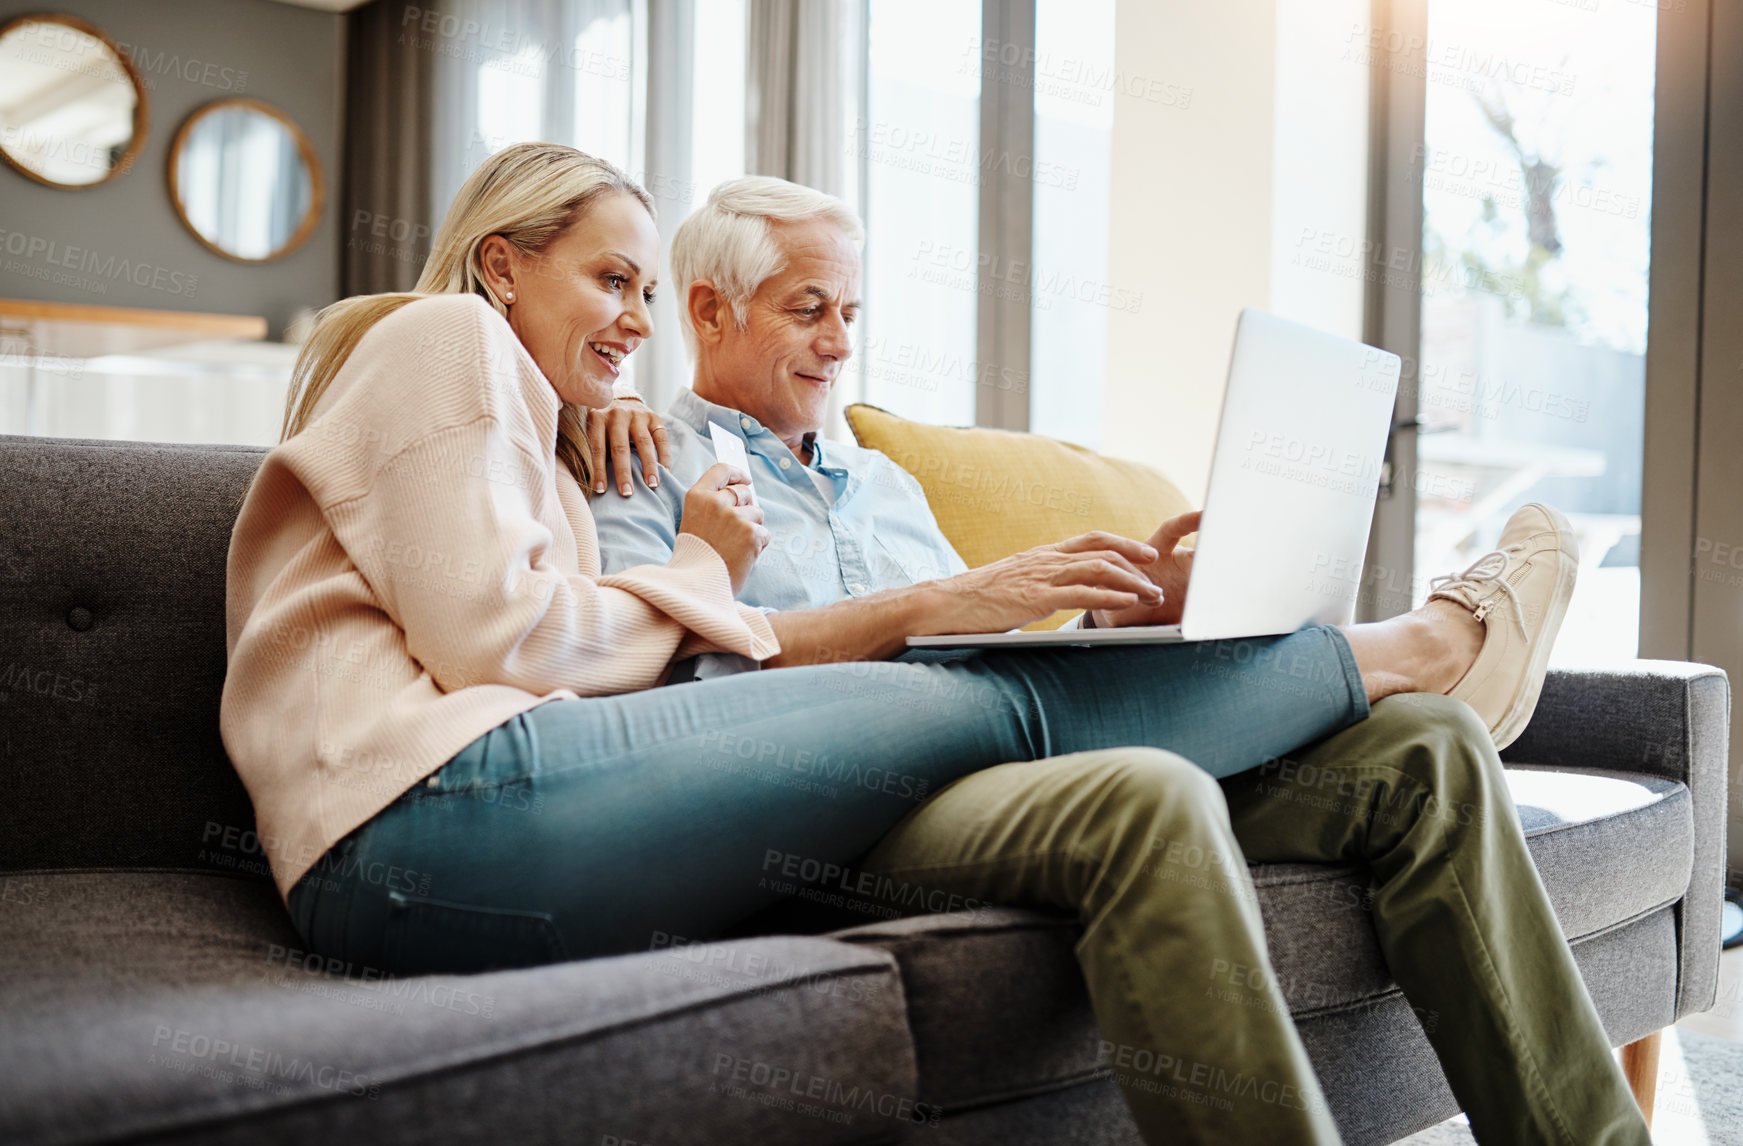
<point>729,448</point>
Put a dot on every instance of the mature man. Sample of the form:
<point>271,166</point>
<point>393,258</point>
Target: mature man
<point>768,277</point>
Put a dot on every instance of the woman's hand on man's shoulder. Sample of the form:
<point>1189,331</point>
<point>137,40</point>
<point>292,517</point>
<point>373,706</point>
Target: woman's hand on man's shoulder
<point>624,424</point>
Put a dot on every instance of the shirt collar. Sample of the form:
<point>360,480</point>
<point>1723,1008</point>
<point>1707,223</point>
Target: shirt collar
<point>696,411</point>
<point>693,411</point>
<point>817,461</point>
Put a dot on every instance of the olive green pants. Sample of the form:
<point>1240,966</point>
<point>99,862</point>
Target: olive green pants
<point>1151,854</point>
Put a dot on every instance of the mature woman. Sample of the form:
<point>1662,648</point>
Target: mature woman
<point>449,722</point>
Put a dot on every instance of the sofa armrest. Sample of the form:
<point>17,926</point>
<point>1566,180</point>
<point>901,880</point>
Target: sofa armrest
<point>1662,718</point>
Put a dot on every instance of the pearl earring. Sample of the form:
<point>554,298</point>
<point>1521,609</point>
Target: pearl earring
<point>510,296</point>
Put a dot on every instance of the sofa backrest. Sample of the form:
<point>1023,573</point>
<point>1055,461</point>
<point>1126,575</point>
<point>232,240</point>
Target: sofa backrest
<point>112,560</point>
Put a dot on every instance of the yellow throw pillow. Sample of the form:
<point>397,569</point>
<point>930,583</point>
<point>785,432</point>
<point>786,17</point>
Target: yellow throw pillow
<point>996,492</point>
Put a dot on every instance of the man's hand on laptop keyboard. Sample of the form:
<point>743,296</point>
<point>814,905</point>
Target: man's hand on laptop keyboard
<point>1169,572</point>
<point>1090,571</point>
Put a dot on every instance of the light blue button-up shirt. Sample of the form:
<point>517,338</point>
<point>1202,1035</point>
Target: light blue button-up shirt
<point>878,533</point>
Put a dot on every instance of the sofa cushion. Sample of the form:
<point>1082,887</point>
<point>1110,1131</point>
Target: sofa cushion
<point>995,1000</point>
<point>998,1007</point>
<point>180,1005</point>
<point>996,493</point>
<point>112,617</point>
<point>1090,1114</point>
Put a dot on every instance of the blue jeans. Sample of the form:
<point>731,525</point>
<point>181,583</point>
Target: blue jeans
<point>613,824</point>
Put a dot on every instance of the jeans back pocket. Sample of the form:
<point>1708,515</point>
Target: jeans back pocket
<point>435,937</point>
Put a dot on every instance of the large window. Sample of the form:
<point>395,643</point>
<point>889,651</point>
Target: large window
<point>1075,89</point>
<point>920,143</point>
<point>928,171</point>
<point>1536,194</point>
<point>717,125</point>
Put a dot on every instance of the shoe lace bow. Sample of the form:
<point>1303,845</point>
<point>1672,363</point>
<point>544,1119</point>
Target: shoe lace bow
<point>1489,569</point>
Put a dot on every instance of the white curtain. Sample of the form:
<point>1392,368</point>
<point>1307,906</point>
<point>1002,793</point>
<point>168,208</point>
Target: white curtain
<point>507,71</point>
<point>671,55</point>
<point>804,82</point>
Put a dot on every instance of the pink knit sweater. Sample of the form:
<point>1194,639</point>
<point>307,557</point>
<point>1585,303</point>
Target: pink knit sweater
<point>416,567</point>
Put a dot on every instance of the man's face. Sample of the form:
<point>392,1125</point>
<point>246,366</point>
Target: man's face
<point>779,369</point>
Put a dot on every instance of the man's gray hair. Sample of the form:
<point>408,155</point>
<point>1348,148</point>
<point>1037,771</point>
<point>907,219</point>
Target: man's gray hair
<point>728,241</point>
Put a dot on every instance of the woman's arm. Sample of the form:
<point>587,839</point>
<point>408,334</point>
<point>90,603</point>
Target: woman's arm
<point>449,505</point>
<point>450,539</point>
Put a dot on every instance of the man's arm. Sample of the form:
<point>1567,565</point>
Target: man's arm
<point>871,628</point>
<point>640,529</point>
<point>1094,571</point>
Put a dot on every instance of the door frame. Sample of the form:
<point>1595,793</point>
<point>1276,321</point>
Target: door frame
<point>1392,310</point>
<point>1674,333</point>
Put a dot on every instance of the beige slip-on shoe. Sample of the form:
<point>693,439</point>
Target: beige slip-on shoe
<point>1520,592</point>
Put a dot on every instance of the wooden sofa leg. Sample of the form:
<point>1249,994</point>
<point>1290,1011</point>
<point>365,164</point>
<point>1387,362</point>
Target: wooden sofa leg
<point>1640,1064</point>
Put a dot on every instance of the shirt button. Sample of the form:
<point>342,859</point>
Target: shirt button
<point>856,587</point>
<point>744,421</point>
<point>786,463</point>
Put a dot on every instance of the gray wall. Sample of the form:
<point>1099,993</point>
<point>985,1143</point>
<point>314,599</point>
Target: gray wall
<point>190,53</point>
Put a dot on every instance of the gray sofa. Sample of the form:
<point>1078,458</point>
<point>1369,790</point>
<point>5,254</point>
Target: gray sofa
<point>152,988</point>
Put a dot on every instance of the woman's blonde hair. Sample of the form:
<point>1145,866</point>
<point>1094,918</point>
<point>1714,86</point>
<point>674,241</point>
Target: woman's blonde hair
<point>529,194</point>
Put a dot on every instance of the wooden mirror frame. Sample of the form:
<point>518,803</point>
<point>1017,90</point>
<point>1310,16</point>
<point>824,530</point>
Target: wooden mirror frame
<point>317,189</point>
<point>141,113</point>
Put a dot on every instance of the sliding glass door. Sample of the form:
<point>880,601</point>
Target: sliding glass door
<point>1536,183</point>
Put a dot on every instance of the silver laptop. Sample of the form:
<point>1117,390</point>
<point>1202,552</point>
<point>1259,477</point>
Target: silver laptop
<point>1291,495</point>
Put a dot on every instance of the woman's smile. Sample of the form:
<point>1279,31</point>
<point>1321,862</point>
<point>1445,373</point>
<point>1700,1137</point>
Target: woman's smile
<point>611,353</point>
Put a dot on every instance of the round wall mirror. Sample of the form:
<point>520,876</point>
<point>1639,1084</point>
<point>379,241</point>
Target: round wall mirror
<point>72,107</point>
<point>245,180</point>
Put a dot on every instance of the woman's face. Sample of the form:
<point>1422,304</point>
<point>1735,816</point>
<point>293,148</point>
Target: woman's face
<point>580,306</point>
